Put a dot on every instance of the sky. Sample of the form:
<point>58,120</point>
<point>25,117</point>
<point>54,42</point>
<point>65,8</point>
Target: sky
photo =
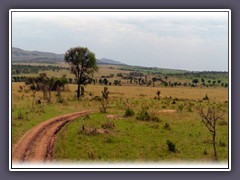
<point>195,41</point>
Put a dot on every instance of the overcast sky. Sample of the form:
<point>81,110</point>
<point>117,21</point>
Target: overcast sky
<point>181,40</point>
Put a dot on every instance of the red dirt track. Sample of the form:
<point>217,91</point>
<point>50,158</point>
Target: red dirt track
<point>37,144</point>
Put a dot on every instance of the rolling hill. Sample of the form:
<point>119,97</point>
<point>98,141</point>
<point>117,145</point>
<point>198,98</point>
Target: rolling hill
<point>24,56</point>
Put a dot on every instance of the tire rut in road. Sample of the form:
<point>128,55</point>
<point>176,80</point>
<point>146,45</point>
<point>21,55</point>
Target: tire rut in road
<point>37,144</point>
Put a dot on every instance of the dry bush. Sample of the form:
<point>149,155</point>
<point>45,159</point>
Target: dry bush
<point>108,125</point>
<point>104,101</point>
<point>209,119</point>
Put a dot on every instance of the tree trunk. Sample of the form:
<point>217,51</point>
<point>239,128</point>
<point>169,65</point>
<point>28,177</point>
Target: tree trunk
<point>49,96</point>
<point>82,91</point>
<point>214,146</point>
<point>78,92</point>
<point>58,91</point>
<point>34,92</point>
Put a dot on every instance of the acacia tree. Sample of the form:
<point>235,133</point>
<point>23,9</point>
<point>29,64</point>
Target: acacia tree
<point>58,85</point>
<point>82,64</point>
<point>195,81</point>
<point>209,119</point>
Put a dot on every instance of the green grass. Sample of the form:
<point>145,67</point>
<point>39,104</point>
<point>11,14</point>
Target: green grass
<point>133,140</point>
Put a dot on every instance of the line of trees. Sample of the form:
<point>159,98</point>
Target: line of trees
<point>46,85</point>
<point>28,69</point>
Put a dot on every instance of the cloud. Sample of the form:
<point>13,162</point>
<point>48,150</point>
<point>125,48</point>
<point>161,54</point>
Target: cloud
<point>173,40</point>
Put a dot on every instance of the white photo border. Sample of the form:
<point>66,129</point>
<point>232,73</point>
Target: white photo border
<point>187,166</point>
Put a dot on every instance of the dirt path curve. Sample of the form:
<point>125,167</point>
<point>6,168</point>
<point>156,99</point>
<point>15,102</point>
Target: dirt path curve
<point>37,144</point>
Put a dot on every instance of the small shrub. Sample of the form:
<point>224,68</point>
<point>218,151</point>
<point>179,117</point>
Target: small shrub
<point>205,152</point>
<point>166,126</point>
<point>158,94</point>
<point>155,118</point>
<point>91,131</point>
<point>154,126</point>
<point>180,107</point>
<point>222,123</point>
<point>60,99</point>
<point>144,115</point>
<point>90,94</point>
<point>87,117</point>
<point>222,143</point>
<point>104,101</point>
<point>129,112</point>
<point>207,141</point>
<point>96,98</point>
<point>20,115</point>
<point>91,155</point>
<point>189,108</point>
<point>109,141</point>
<point>205,97</point>
<point>108,125</point>
<point>171,146</point>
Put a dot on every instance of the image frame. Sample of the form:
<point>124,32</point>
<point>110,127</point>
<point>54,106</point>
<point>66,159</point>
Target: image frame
<point>97,168</point>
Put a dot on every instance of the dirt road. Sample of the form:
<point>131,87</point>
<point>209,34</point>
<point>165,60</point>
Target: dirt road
<point>37,144</point>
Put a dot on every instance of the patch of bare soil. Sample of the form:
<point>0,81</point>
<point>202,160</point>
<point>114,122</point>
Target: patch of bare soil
<point>92,131</point>
<point>168,110</point>
<point>111,116</point>
<point>37,144</point>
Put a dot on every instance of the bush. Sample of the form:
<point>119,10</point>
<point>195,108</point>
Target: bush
<point>129,112</point>
<point>189,108</point>
<point>205,152</point>
<point>109,141</point>
<point>222,123</point>
<point>91,155</point>
<point>180,107</point>
<point>205,98</point>
<point>20,115</point>
<point>108,125</point>
<point>166,126</point>
<point>60,99</point>
<point>171,146</point>
<point>144,115</point>
<point>222,143</point>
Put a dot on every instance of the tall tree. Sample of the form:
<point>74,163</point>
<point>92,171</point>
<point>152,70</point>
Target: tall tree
<point>82,64</point>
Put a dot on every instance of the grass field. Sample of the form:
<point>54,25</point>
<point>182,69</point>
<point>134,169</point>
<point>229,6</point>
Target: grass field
<point>130,139</point>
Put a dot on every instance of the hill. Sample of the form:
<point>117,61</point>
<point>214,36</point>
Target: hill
<point>24,56</point>
<point>110,61</point>
<point>19,55</point>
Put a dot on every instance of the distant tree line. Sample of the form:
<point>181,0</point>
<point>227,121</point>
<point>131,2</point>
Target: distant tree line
<point>29,69</point>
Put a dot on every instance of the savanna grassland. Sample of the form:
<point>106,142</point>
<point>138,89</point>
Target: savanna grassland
<point>138,125</point>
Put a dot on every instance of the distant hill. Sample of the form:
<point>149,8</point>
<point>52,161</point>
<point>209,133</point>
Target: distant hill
<point>19,55</point>
<point>24,56</point>
<point>110,61</point>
